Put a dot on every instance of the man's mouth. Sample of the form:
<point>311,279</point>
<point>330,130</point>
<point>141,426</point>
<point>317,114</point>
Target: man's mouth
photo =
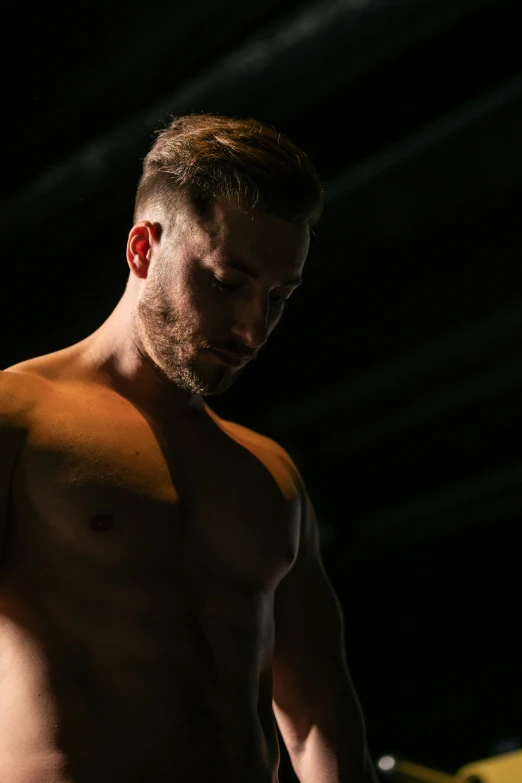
<point>232,360</point>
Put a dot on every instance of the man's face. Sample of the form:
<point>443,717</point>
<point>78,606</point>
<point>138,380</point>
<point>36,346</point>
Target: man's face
<point>217,287</point>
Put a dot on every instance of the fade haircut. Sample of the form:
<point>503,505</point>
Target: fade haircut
<point>205,157</point>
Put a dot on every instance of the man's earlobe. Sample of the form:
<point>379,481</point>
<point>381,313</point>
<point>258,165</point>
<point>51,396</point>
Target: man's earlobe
<point>139,265</point>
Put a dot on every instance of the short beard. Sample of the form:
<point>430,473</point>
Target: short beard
<point>167,342</point>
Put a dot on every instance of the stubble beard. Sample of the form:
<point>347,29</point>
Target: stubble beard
<point>168,342</point>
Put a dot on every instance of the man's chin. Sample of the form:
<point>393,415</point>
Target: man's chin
<point>210,377</point>
<point>219,385</point>
<point>209,382</point>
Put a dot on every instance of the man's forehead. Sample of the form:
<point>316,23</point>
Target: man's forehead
<point>251,242</point>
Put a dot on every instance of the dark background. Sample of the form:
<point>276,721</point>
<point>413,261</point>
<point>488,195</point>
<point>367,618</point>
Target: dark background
<point>394,379</point>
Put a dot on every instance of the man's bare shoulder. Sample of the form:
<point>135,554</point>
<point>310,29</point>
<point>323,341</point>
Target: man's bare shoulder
<point>20,392</point>
<point>42,367</point>
<point>34,382</point>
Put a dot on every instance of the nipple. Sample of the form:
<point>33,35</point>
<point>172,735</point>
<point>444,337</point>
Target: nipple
<point>101,522</point>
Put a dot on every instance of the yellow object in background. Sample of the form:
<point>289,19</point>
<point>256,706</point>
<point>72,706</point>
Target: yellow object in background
<point>506,768</point>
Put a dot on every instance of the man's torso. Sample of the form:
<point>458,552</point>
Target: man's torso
<point>136,594</point>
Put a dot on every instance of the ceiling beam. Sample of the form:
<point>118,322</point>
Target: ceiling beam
<point>285,53</point>
<point>420,142</point>
<point>396,375</point>
<point>488,498</point>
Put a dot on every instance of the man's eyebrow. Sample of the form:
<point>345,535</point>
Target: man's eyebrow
<point>242,267</point>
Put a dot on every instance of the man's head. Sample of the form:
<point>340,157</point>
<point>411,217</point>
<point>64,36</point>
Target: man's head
<point>220,237</point>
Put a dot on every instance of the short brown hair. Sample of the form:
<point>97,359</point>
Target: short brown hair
<point>206,156</point>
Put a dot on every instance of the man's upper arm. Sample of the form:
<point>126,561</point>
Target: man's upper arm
<point>310,672</point>
<point>12,404</point>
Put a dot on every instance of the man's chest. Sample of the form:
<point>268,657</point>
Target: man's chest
<point>116,492</point>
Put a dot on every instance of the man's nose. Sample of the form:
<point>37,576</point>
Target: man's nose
<point>252,324</point>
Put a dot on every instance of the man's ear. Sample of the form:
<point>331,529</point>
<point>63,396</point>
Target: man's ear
<point>142,236</point>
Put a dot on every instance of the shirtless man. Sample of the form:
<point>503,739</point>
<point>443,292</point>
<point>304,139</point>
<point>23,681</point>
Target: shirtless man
<point>162,595</point>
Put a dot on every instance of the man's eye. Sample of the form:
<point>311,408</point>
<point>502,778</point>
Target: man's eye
<point>218,285</point>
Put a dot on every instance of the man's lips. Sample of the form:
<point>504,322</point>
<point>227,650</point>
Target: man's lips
<point>233,360</point>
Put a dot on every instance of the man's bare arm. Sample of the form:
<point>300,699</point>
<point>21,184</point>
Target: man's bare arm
<point>314,701</point>
<point>13,403</point>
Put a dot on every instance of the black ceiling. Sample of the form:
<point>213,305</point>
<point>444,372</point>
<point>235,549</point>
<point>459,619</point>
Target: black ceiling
<point>395,377</point>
